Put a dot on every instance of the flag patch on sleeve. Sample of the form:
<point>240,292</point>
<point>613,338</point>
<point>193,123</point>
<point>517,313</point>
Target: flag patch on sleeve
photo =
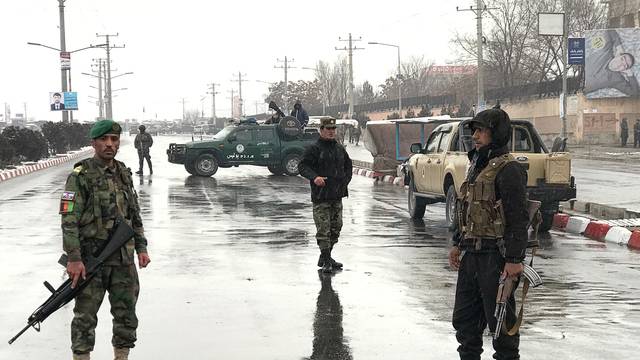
<point>67,202</point>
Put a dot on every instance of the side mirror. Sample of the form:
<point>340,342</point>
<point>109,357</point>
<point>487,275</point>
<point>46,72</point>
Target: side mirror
<point>416,148</point>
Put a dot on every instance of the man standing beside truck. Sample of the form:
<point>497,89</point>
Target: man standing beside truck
<point>328,167</point>
<point>491,238</point>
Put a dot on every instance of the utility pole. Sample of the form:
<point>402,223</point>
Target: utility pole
<point>241,105</point>
<point>213,93</point>
<point>63,48</point>
<point>565,34</point>
<point>108,96</point>
<point>286,68</point>
<point>231,103</point>
<point>479,10</point>
<point>183,113</point>
<point>350,49</point>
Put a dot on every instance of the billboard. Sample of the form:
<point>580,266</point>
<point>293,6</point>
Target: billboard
<point>611,69</point>
<point>59,101</point>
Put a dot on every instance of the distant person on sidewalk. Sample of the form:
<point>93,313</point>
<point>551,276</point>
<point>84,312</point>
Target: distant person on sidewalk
<point>143,142</point>
<point>624,132</point>
<point>636,133</point>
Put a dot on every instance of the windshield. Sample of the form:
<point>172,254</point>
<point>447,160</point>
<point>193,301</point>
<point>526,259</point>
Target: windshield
<point>223,133</point>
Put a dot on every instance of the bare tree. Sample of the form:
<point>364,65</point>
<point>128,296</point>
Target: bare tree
<point>514,53</point>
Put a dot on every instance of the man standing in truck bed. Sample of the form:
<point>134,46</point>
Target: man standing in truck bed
<point>491,238</point>
<point>328,167</point>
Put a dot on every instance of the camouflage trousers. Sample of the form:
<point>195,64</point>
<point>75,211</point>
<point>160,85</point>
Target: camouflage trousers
<point>328,218</point>
<point>123,286</point>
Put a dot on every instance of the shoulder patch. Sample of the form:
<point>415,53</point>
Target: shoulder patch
<point>69,196</point>
<point>77,169</point>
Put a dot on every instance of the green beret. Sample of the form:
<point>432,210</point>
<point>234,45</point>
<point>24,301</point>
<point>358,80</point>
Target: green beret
<point>103,127</point>
<point>329,123</point>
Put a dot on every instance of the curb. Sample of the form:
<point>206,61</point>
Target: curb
<point>43,164</point>
<point>600,230</point>
<point>379,177</point>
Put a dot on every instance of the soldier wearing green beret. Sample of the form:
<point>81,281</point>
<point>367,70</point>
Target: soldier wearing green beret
<point>99,190</point>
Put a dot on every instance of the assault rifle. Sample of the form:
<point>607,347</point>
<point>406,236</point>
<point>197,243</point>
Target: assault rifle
<point>120,234</point>
<point>505,288</point>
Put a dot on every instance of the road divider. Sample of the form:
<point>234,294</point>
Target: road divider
<point>600,230</point>
<point>28,168</point>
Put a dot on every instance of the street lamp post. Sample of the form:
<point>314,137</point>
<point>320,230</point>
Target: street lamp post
<point>65,116</point>
<point>399,73</point>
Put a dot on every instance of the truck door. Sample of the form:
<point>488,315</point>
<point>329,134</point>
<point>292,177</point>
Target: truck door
<point>426,162</point>
<point>241,147</point>
<point>436,179</point>
<point>266,143</point>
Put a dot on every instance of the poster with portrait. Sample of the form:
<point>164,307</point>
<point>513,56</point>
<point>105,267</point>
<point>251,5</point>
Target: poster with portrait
<point>59,101</point>
<point>611,69</point>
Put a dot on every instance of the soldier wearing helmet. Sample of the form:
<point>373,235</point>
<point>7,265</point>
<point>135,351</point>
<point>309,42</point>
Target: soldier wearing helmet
<point>143,142</point>
<point>491,237</point>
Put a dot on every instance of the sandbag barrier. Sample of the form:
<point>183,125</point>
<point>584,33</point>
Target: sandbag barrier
<point>43,164</point>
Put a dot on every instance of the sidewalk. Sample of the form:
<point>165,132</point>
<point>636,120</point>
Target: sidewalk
<point>29,167</point>
<point>605,152</point>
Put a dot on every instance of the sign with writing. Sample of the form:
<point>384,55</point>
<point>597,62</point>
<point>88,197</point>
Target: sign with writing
<point>576,51</point>
<point>65,60</point>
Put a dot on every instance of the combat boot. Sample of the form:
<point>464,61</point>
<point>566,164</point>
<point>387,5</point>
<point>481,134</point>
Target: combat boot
<point>325,255</point>
<point>139,172</point>
<point>121,353</point>
<point>334,263</point>
<point>82,356</point>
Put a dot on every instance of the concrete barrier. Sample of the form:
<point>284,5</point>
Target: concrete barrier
<point>560,221</point>
<point>577,224</point>
<point>618,235</point>
<point>597,230</point>
<point>634,240</point>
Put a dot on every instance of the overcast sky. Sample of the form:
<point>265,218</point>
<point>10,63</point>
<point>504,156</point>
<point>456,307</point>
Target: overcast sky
<point>175,48</point>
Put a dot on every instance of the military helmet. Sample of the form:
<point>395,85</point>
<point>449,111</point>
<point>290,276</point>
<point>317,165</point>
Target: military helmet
<point>496,120</point>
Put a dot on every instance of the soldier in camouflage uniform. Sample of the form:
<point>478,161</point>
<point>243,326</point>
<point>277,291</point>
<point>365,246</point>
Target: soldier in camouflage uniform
<point>328,167</point>
<point>143,143</point>
<point>98,191</point>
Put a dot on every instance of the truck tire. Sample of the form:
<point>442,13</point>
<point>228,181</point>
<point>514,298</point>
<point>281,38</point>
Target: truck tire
<point>548,210</point>
<point>206,165</point>
<point>191,169</point>
<point>290,164</point>
<point>452,208</point>
<point>417,205</point>
<point>275,169</point>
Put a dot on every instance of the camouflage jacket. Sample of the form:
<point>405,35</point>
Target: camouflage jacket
<point>143,142</point>
<point>93,198</point>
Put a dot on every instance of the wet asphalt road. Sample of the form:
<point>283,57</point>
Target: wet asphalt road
<point>233,276</point>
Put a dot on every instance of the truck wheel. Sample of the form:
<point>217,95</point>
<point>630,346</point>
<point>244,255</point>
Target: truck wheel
<point>206,165</point>
<point>548,210</point>
<point>417,205</point>
<point>452,208</point>
<point>191,169</point>
<point>275,169</point>
<point>290,164</point>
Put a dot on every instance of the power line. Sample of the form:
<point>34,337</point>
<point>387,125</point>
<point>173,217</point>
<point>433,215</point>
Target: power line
<point>350,48</point>
<point>286,68</point>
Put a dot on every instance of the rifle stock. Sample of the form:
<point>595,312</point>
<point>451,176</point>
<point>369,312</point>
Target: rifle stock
<point>65,293</point>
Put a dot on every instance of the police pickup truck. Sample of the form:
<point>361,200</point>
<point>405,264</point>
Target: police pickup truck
<point>435,171</point>
<point>279,147</point>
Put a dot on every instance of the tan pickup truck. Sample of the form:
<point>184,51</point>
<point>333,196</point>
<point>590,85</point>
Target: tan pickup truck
<point>434,172</point>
